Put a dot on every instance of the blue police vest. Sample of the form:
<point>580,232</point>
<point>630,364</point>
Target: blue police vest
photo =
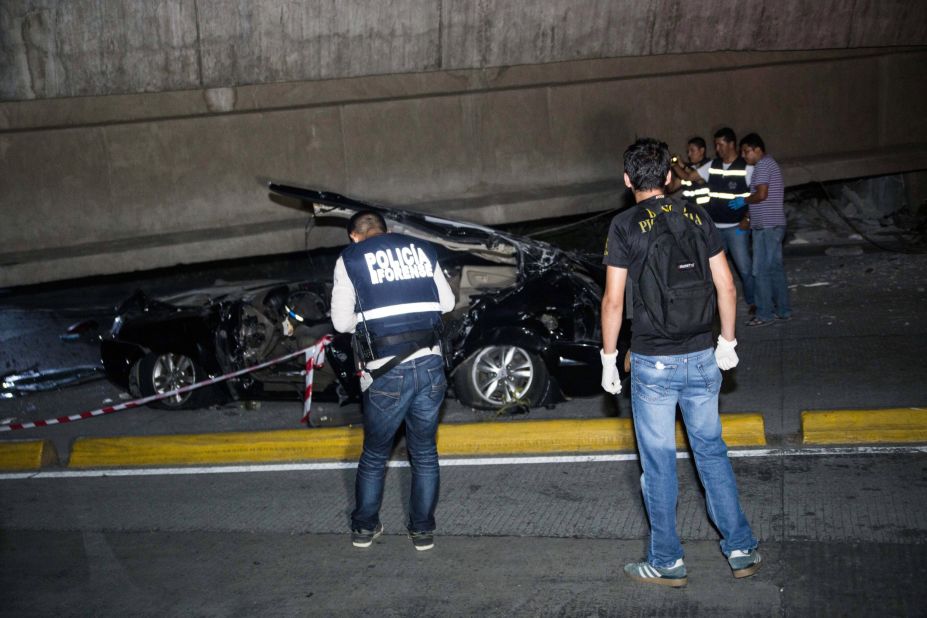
<point>393,277</point>
<point>724,185</point>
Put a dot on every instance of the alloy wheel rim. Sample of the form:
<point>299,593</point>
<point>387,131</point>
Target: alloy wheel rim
<point>502,374</point>
<point>170,372</point>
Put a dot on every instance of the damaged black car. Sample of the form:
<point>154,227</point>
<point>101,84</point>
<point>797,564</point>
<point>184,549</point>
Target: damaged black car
<point>525,330</point>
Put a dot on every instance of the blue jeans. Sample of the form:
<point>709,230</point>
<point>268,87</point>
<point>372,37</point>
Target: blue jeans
<point>693,381</point>
<point>737,245</point>
<point>772,289</point>
<point>411,392</point>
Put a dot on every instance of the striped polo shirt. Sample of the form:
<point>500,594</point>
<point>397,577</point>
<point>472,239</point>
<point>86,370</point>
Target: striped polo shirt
<point>771,211</point>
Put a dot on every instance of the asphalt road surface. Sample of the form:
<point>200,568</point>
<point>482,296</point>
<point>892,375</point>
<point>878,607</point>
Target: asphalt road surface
<point>841,535</point>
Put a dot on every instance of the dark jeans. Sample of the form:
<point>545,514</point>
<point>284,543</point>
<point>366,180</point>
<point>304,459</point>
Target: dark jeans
<point>772,287</point>
<point>411,392</point>
<point>737,246</point>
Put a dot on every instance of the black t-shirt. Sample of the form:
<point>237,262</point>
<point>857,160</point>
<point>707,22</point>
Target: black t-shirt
<point>626,247</point>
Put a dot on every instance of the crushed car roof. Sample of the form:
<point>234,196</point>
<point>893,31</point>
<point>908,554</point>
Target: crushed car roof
<point>494,245</point>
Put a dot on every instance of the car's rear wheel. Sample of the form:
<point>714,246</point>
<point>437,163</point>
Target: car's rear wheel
<point>156,374</point>
<point>498,377</point>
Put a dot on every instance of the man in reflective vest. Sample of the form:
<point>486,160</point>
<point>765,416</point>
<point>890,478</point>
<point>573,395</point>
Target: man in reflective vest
<point>685,175</point>
<point>728,177</point>
<point>390,291</point>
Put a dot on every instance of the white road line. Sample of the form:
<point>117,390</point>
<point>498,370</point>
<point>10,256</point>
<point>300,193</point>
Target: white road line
<point>453,462</point>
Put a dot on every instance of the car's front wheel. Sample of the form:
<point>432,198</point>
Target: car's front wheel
<point>156,374</point>
<point>498,377</point>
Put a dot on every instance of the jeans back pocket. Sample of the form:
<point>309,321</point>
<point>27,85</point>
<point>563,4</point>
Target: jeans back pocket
<point>438,380</point>
<point>385,392</point>
<point>650,380</point>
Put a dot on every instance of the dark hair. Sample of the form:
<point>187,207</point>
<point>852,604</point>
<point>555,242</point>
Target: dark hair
<point>698,142</point>
<point>727,134</point>
<point>647,162</point>
<point>753,141</point>
<point>365,221</point>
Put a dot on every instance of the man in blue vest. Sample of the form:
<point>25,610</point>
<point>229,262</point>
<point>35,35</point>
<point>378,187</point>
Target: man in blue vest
<point>390,291</point>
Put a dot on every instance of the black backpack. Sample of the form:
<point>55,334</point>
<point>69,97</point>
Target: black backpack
<point>675,284</point>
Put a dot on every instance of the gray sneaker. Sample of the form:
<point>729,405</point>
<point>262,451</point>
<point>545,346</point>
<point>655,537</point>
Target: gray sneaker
<point>645,572</point>
<point>422,541</point>
<point>364,538</point>
<point>744,563</point>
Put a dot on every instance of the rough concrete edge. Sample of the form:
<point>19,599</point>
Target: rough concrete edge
<point>342,443</point>
<point>27,455</point>
<point>58,113</point>
<point>865,426</point>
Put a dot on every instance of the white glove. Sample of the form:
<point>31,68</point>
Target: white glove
<point>725,355</point>
<point>365,380</point>
<point>611,381</point>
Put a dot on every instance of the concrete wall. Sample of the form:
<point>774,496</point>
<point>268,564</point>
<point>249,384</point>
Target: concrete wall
<point>138,134</point>
<point>55,48</point>
<point>110,184</point>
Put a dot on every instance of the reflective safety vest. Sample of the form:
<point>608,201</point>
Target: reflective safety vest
<point>697,193</point>
<point>393,278</point>
<point>724,185</point>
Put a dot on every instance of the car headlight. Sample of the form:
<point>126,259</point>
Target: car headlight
<point>550,322</point>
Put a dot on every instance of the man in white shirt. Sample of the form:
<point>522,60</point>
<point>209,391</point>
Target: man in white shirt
<point>390,291</point>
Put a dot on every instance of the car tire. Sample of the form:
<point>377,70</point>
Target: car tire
<point>158,373</point>
<point>500,377</point>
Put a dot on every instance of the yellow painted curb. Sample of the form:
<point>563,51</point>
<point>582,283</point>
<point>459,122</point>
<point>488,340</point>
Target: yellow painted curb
<point>27,454</point>
<point>344,443</point>
<point>338,443</point>
<point>570,436</point>
<point>864,426</point>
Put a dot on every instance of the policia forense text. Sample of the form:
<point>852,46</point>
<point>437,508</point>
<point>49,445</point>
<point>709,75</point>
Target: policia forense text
<point>390,291</point>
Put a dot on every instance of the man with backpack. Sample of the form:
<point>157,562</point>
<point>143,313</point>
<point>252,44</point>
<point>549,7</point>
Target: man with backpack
<point>670,254</point>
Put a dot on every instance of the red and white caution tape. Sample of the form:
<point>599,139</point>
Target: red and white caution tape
<point>315,355</point>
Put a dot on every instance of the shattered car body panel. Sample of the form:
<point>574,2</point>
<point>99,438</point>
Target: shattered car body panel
<point>548,304</point>
<point>525,330</point>
<point>220,329</point>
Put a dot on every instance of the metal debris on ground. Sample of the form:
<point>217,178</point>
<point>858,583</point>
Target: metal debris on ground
<point>33,380</point>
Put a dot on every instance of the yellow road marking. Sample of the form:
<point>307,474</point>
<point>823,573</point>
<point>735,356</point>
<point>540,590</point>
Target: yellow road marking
<point>27,454</point>
<point>864,426</point>
<point>345,443</point>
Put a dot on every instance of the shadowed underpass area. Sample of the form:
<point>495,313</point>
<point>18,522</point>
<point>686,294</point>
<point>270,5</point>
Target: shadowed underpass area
<point>137,141</point>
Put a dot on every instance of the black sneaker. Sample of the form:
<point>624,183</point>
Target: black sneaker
<point>422,540</point>
<point>363,538</point>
